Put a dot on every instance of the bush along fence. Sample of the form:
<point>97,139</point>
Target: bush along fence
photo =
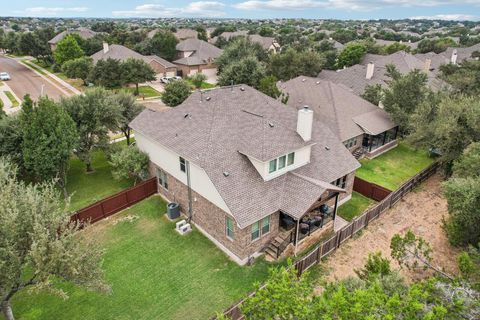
<point>328,246</point>
<point>117,202</point>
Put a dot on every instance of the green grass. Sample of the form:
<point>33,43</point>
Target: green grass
<point>205,85</point>
<point>393,168</point>
<point>14,101</point>
<point>355,206</point>
<point>144,91</point>
<point>154,273</point>
<point>76,83</point>
<point>87,188</point>
<point>35,67</point>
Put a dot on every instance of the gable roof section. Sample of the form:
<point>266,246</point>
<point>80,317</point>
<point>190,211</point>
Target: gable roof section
<point>211,132</point>
<point>336,106</point>
<point>84,33</point>
<point>203,52</point>
<point>122,53</point>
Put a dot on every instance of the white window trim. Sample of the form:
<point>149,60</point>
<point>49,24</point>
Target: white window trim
<point>277,162</point>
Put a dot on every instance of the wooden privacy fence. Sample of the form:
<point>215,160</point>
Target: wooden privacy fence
<point>370,190</point>
<point>328,246</point>
<point>117,202</point>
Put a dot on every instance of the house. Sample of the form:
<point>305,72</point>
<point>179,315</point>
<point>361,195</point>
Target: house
<point>84,33</point>
<point>196,55</point>
<point>412,45</point>
<point>372,71</point>
<point>267,43</point>
<point>363,127</point>
<point>115,51</point>
<point>180,34</point>
<point>245,169</point>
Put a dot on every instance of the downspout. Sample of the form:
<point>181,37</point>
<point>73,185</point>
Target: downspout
<point>296,238</point>
<point>335,210</point>
<point>190,210</point>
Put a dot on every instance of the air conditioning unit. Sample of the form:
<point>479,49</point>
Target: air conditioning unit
<point>183,227</point>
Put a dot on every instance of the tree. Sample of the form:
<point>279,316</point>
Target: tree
<point>107,73</point>
<point>464,78</point>
<point>175,93</point>
<point>344,35</point>
<point>403,95</point>
<point>395,47</point>
<point>291,63</point>
<point>163,44</point>
<point>202,33</point>
<point>39,242</point>
<point>11,139</point>
<point>373,93</point>
<point>129,109</point>
<point>129,162</point>
<point>351,54</point>
<point>137,71</point>
<point>268,85</point>
<point>79,68</point>
<point>95,113</point>
<point>237,49</point>
<point>198,79</point>
<point>283,296</point>
<point>67,49</point>
<point>48,138</point>
<point>247,71</point>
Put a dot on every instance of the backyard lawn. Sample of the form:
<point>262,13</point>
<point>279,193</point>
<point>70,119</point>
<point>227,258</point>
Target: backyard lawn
<point>154,273</point>
<point>394,167</point>
<point>87,188</point>
<point>355,206</point>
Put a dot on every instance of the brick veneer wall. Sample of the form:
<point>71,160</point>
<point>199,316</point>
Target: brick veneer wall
<point>212,220</point>
<point>359,140</point>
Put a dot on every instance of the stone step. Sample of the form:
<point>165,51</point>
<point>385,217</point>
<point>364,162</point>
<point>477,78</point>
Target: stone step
<point>271,252</point>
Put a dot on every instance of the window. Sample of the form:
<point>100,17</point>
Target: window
<point>273,166</point>
<point>281,162</point>
<point>341,182</point>
<point>265,225</point>
<point>291,158</point>
<point>230,228</point>
<point>350,142</point>
<point>183,165</point>
<point>255,231</point>
<point>162,178</point>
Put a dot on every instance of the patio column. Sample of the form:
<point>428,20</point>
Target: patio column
<point>336,206</point>
<point>296,237</point>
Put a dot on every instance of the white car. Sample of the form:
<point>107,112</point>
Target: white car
<point>4,76</point>
<point>168,79</point>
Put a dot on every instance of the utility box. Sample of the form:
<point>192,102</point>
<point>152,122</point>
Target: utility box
<point>173,210</point>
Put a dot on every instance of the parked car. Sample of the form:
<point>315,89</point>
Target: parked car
<point>168,79</point>
<point>4,76</point>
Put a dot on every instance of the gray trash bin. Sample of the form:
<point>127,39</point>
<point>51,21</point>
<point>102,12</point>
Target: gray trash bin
<point>173,210</point>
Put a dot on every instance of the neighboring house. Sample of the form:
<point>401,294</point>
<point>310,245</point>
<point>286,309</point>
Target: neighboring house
<point>115,51</point>
<point>196,55</point>
<point>180,34</point>
<point>372,71</point>
<point>362,127</point>
<point>246,169</point>
<point>84,33</point>
<point>412,45</point>
<point>267,43</point>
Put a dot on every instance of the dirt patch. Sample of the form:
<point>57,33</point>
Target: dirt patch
<point>422,211</point>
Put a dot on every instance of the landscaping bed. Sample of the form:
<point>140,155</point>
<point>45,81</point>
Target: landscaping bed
<point>154,272</point>
<point>12,99</point>
<point>391,169</point>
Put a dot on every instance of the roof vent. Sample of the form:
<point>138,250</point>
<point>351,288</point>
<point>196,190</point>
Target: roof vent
<point>327,148</point>
<point>208,98</point>
<point>242,89</point>
<point>271,124</point>
<point>303,80</point>
<point>318,82</point>
<point>226,173</point>
<point>187,115</point>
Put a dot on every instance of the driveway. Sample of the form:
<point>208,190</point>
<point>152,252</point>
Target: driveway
<point>26,81</point>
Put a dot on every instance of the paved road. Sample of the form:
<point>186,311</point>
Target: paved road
<point>26,81</point>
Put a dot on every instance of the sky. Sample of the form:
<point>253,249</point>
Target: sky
<point>254,9</point>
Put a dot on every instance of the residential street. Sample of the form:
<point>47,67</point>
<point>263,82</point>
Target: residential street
<point>26,81</point>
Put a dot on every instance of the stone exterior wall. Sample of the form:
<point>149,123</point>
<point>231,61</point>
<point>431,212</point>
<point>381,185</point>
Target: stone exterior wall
<point>382,149</point>
<point>160,69</point>
<point>212,220</point>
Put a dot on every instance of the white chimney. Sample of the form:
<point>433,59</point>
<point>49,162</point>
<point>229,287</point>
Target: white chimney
<point>105,47</point>
<point>453,59</point>
<point>305,123</point>
<point>370,69</point>
<point>428,63</point>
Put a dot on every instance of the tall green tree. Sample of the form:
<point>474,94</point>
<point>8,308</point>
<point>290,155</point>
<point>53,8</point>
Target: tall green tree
<point>373,94</point>
<point>39,244</point>
<point>137,71</point>
<point>247,70</point>
<point>11,139</point>
<point>176,92</point>
<point>268,85</point>
<point>238,49</point>
<point>129,163</point>
<point>79,68</point>
<point>129,109</point>
<point>67,49</point>
<point>94,113</point>
<point>351,54</point>
<point>49,137</point>
<point>107,73</point>
<point>163,44</point>
<point>292,63</point>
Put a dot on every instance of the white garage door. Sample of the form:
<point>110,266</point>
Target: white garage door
<point>211,74</point>
<point>171,74</point>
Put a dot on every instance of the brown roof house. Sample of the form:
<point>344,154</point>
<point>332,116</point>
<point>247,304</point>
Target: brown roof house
<point>267,43</point>
<point>115,51</point>
<point>180,34</point>
<point>196,55</point>
<point>84,33</point>
<point>249,173</point>
<point>364,128</point>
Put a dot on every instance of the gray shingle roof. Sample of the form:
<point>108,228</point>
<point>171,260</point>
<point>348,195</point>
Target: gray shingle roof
<point>203,52</point>
<point>84,33</point>
<point>265,42</point>
<point>122,53</point>
<point>336,106</point>
<point>215,130</point>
